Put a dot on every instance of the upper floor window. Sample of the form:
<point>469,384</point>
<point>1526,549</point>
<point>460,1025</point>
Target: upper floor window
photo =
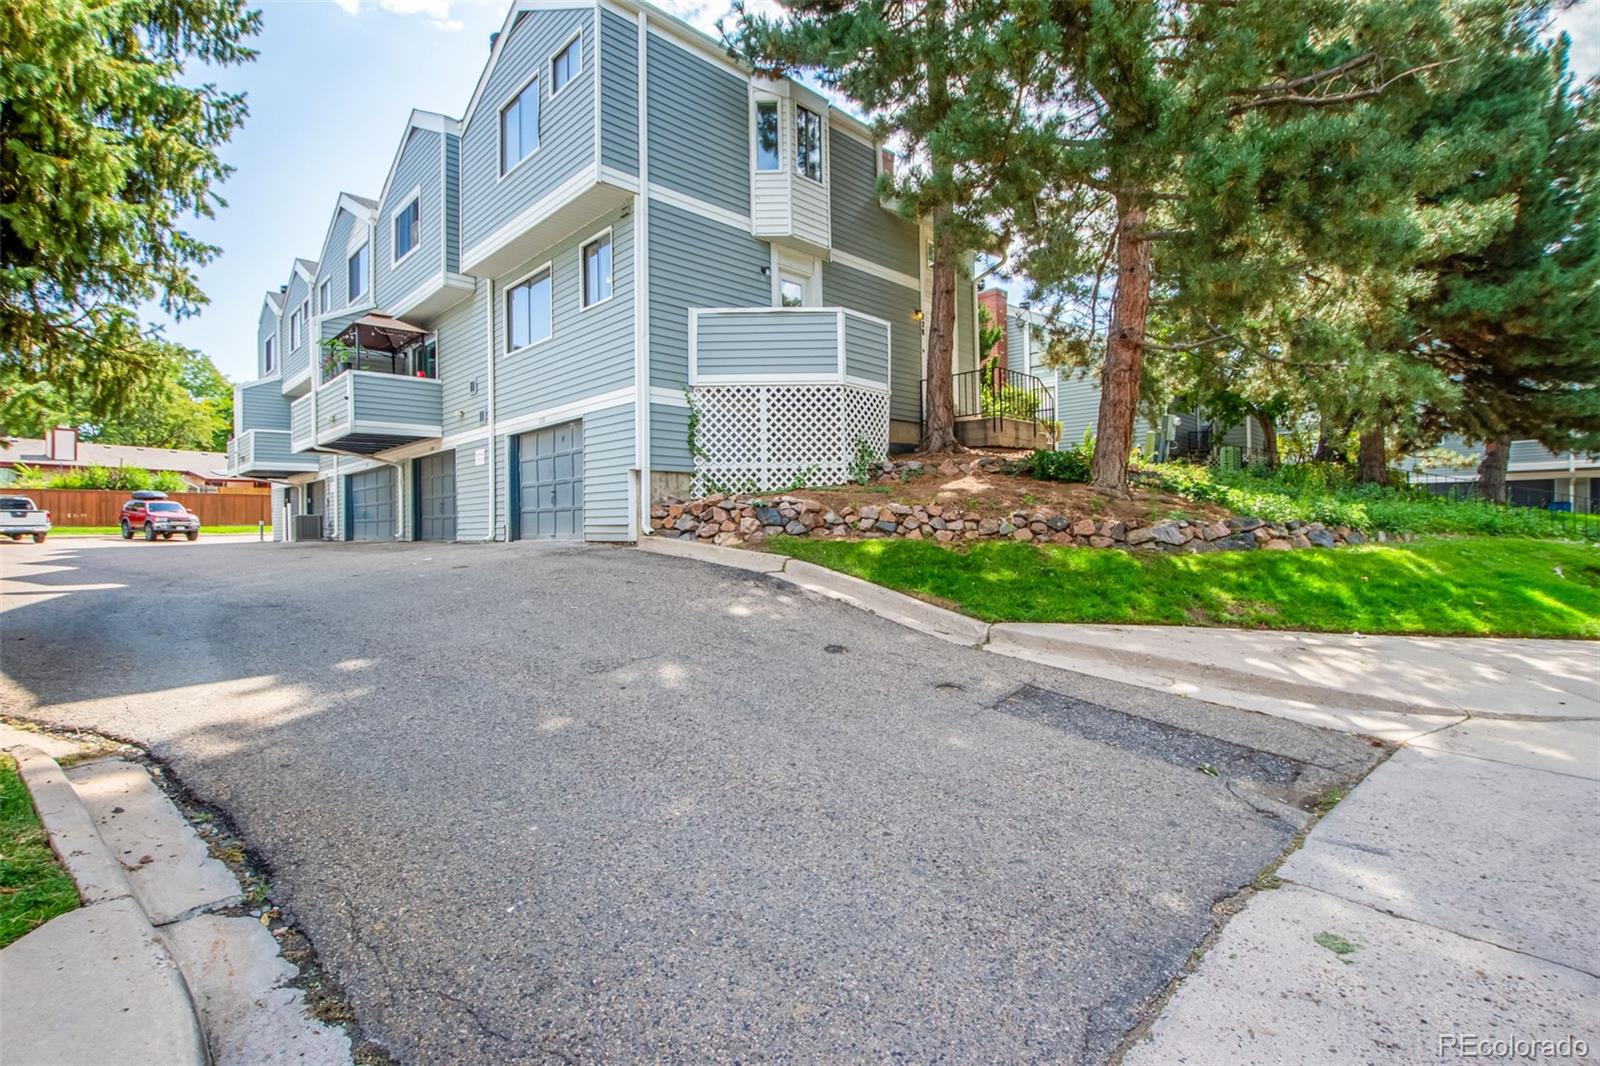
<point>566,64</point>
<point>597,270</point>
<point>528,312</point>
<point>407,228</point>
<point>519,127</point>
<point>325,296</point>
<point>768,155</point>
<point>294,328</point>
<point>791,293</point>
<point>356,272</point>
<point>270,355</point>
<point>808,143</point>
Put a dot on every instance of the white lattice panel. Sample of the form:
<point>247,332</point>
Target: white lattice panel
<point>758,438</point>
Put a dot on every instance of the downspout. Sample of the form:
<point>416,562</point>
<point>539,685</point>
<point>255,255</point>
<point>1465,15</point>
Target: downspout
<point>641,288</point>
<point>494,455</point>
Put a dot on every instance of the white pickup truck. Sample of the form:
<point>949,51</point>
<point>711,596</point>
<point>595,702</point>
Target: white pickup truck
<point>20,518</point>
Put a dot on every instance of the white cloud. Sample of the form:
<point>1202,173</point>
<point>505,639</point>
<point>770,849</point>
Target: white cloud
<point>1581,21</point>
<point>436,12</point>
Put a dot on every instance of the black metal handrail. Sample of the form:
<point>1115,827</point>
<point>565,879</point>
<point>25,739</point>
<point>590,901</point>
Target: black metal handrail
<point>1582,513</point>
<point>998,394</point>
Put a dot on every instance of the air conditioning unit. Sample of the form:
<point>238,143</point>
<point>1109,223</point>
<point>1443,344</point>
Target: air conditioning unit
<point>307,527</point>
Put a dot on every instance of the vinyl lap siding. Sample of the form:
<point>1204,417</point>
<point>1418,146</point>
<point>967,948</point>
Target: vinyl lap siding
<point>696,262</point>
<point>775,342</point>
<point>260,405</point>
<point>669,438</point>
<point>699,118</point>
<point>619,93</point>
<point>866,350</point>
<point>589,352</point>
<point>844,286</point>
<point>394,398</point>
<point>566,134</point>
<point>607,459</point>
<point>1078,407</point>
<point>862,226</point>
<point>452,203</point>
<point>966,351</point>
<point>267,326</point>
<point>335,263</point>
<point>295,359</point>
<point>472,491</point>
<point>333,405</point>
<point>419,168</point>
<point>463,366</point>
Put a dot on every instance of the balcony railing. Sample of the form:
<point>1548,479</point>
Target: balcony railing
<point>788,346</point>
<point>363,411</point>
<point>266,454</point>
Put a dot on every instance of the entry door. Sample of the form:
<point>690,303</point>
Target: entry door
<point>550,478</point>
<point>436,496</point>
<point>370,504</point>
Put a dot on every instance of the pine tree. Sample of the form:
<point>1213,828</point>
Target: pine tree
<point>1238,156</point>
<point>104,147</point>
<point>948,78</point>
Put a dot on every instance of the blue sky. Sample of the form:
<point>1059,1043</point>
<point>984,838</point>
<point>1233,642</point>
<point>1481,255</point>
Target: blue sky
<point>329,96</point>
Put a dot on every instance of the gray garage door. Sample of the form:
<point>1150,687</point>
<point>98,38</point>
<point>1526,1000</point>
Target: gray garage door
<point>550,479</point>
<point>436,497</point>
<point>369,505</point>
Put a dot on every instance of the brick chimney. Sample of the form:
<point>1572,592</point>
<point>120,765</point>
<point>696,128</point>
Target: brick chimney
<point>61,444</point>
<point>994,301</point>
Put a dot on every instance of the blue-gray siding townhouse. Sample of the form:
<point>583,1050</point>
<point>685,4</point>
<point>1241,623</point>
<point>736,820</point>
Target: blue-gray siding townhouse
<point>622,228</point>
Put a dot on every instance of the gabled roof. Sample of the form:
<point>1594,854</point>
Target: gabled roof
<point>275,301</point>
<point>370,205</point>
<point>419,120</point>
<point>359,206</point>
<point>308,267</point>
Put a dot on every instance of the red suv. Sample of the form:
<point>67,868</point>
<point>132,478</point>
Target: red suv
<point>158,518</point>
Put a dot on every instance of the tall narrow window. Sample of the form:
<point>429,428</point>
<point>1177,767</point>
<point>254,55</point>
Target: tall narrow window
<point>528,311</point>
<point>270,354</point>
<point>597,270</point>
<point>356,273</point>
<point>808,144</point>
<point>519,127</point>
<point>407,228</point>
<point>294,328</point>
<point>566,65</point>
<point>325,296</point>
<point>768,154</point>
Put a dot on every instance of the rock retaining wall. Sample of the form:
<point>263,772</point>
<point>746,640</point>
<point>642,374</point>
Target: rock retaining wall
<point>734,520</point>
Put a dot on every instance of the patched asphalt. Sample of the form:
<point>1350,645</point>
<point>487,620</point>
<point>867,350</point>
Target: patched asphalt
<point>538,802</point>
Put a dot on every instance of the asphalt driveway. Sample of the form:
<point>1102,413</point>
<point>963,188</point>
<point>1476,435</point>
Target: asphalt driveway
<point>583,803</point>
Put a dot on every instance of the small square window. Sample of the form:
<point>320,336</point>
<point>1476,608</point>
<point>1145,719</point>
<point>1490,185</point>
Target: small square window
<point>566,65</point>
<point>597,271</point>
<point>768,151</point>
<point>791,293</point>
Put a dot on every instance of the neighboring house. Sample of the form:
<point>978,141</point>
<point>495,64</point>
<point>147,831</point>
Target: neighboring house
<point>1535,476</point>
<point>64,452</point>
<point>626,235</point>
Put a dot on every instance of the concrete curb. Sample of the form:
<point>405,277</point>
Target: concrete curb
<point>738,558</point>
<point>129,1002</point>
<point>886,603</point>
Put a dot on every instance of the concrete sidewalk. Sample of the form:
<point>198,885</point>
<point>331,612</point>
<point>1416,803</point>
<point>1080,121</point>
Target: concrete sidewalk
<point>1450,902</point>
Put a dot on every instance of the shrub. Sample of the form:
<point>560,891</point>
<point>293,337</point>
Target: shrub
<point>1009,401</point>
<point>1320,492</point>
<point>1070,464</point>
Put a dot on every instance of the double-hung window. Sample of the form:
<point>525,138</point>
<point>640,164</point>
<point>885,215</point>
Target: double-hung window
<point>597,270</point>
<point>768,152</point>
<point>528,312</point>
<point>808,143</point>
<point>325,296</point>
<point>566,65</point>
<point>270,355</point>
<point>294,328</point>
<point>519,127</point>
<point>407,228</point>
<point>356,272</point>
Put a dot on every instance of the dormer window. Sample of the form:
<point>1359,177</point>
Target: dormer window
<point>808,144</point>
<point>768,153</point>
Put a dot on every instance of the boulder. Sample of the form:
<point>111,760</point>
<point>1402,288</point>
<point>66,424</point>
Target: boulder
<point>1169,533</point>
<point>1277,544</point>
<point>1321,538</point>
<point>1101,542</point>
<point>769,516</point>
<point>885,525</point>
<point>1355,537</point>
<point>794,528</point>
<point>1083,527</point>
<point>1240,524</point>
<point>1022,534</point>
<point>1142,535</point>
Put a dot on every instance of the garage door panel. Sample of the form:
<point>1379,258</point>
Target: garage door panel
<point>436,496</point>
<point>550,469</point>
<point>371,504</point>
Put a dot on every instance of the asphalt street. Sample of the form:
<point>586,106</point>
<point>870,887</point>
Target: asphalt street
<point>540,802</point>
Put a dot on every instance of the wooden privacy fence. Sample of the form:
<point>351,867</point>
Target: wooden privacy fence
<point>102,507</point>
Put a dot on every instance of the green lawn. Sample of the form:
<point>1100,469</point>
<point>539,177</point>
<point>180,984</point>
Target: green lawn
<point>112,531</point>
<point>1467,586</point>
<point>33,886</point>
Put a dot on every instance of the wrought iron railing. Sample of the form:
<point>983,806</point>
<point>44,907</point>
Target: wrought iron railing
<point>999,394</point>
<point>1582,512</point>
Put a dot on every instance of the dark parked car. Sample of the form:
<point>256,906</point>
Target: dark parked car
<point>158,518</point>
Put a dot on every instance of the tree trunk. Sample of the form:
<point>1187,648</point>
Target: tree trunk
<point>1269,440</point>
<point>1373,460</point>
<point>1492,471</point>
<point>939,417</point>
<point>1119,379</point>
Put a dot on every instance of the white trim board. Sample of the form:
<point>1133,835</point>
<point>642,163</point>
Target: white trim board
<point>878,270</point>
<point>566,412</point>
<point>700,207</point>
